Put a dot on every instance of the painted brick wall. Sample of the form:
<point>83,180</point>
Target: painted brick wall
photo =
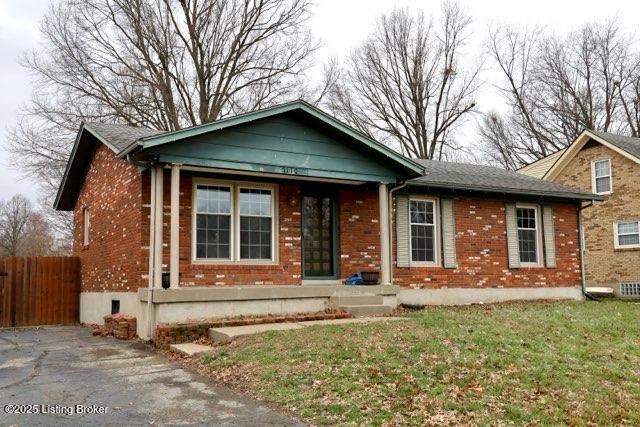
<point>481,249</point>
<point>359,230</point>
<point>113,260</point>
<point>605,265</point>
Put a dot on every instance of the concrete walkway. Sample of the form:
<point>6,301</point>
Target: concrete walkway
<point>57,368</point>
<point>230,333</point>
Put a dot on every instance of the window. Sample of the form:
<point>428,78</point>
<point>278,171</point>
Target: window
<point>213,222</point>
<point>601,176</point>
<point>627,234</point>
<point>529,235</point>
<point>85,226</point>
<point>423,231</point>
<point>233,222</point>
<point>255,223</point>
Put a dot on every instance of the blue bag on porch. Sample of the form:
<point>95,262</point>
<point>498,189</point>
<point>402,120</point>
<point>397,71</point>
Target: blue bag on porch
<point>356,279</point>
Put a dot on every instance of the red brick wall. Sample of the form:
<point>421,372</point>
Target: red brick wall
<point>359,230</point>
<point>117,256</point>
<point>286,272</point>
<point>481,251</point>
<point>113,260</point>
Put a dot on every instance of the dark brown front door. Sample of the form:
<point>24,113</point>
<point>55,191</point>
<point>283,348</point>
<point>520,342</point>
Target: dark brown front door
<point>318,235</point>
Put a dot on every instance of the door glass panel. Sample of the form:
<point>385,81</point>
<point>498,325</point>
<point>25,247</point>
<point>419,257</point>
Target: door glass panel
<point>317,237</point>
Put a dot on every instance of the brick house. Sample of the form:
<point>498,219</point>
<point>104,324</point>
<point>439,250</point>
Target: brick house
<point>608,165</point>
<point>269,212</point>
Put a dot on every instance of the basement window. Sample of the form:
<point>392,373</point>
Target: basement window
<point>630,289</point>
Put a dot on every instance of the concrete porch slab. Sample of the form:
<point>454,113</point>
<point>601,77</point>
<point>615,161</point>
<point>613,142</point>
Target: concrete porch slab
<point>190,349</point>
<point>228,334</point>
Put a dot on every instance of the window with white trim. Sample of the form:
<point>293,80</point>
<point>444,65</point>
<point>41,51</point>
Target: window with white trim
<point>529,234</point>
<point>256,223</point>
<point>233,222</point>
<point>601,176</point>
<point>627,234</point>
<point>85,226</point>
<point>213,222</point>
<point>423,219</point>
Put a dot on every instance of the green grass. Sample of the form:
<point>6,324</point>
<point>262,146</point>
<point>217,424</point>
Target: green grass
<point>536,363</point>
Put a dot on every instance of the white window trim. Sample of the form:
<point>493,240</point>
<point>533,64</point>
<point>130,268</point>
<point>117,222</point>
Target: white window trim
<point>616,243</point>
<point>593,176</point>
<point>436,233</point>
<point>538,229</point>
<point>86,218</point>
<point>234,235</point>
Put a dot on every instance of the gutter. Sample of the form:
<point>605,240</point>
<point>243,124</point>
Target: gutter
<point>390,225</point>
<point>581,250</point>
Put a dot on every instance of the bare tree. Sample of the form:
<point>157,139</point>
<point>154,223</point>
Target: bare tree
<point>556,87</point>
<point>406,84</point>
<point>164,64</point>
<point>14,217</point>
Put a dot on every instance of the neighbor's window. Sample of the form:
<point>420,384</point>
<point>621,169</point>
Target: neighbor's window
<point>627,234</point>
<point>85,226</point>
<point>423,230</point>
<point>601,170</point>
<point>255,223</point>
<point>528,234</point>
<point>234,222</point>
<point>213,222</point>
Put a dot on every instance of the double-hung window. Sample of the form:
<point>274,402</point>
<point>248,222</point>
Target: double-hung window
<point>627,234</point>
<point>423,218</point>
<point>234,222</point>
<point>213,222</point>
<point>529,234</point>
<point>256,223</point>
<point>601,176</point>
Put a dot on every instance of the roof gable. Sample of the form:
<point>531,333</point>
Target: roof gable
<point>626,146</point>
<point>289,143</point>
<point>302,108</point>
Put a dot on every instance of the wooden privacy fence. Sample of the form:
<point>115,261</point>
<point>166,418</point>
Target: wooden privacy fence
<point>39,291</point>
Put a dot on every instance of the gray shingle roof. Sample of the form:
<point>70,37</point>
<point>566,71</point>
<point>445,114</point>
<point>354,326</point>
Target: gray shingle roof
<point>462,176</point>
<point>626,143</point>
<point>119,137</point>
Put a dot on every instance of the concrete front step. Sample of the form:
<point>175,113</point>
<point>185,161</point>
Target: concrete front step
<point>228,334</point>
<point>367,310</point>
<point>339,301</point>
<point>191,349</point>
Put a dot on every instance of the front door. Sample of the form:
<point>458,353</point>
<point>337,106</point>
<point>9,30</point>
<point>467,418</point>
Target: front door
<point>318,235</point>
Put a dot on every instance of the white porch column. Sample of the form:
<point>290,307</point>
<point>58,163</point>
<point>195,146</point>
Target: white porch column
<point>174,248</point>
<point>385,254</point>
<point>152,236</point>
<point>157,227</point>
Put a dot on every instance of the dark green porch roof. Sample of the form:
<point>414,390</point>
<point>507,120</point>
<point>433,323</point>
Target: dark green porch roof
<point>295,139</point>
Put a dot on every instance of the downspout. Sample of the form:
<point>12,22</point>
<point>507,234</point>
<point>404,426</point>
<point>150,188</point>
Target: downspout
<point>152,215</point>
<point>581,250</point>
<point>390,225</point>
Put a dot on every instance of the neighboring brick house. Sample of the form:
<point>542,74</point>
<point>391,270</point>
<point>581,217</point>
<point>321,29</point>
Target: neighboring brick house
<point>609,165</point>
<point>269,212</point>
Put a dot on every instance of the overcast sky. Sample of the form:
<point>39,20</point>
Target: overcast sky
<point>340,24</point>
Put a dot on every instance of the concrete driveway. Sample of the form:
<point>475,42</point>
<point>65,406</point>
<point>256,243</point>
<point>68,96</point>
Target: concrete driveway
<point>57,368</point>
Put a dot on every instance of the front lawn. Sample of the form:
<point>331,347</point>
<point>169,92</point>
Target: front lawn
<point>525,363</point>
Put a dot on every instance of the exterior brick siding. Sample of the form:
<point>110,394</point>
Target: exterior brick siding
<point>605,265</point>
<point>116,259</point>
<point>481,251</point>
<point>359,231</point>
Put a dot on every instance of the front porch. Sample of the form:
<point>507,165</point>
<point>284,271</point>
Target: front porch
<point>205,303</point>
